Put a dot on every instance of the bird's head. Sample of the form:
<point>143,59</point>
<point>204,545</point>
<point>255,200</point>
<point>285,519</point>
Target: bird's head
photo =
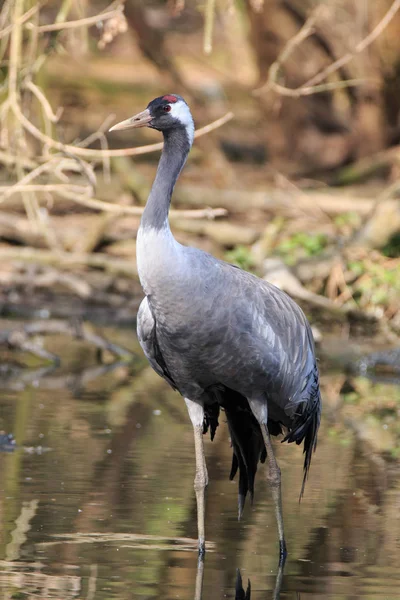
<point>164,113</point>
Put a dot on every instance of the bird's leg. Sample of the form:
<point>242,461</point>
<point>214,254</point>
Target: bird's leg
<point>196,414</point>
<point>279,579</point>
<point>199,578</point>
<point>259,409</point>
<point>274,479</point>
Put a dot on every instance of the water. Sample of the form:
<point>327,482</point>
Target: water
<point>97,502</point>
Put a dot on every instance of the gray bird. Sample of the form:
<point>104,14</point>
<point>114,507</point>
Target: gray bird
<point>221,336</point>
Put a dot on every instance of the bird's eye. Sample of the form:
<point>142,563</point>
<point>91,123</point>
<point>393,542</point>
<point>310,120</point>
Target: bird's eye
<point>167,108</point>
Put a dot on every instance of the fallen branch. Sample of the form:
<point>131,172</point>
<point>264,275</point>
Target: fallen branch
<point>274,199</point>
<point>78,194</point>
<point>69,260</point>
<point>19,338</point>
<point>278,273</point>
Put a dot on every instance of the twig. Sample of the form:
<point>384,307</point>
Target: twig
<point>21,20</point>
<point>208,213</point>
<point>209,26</point>
<point>306,31</point>
<point>15,52</point>
<point>78,194</point>
<point>100,154</point>
<point>360,47</point>
<point>11,159</point>
<point>37,92</point>
<point>104,127</point>
<point>316,89</point>
<point>86,22</point>
<point>23,183</point>
<point>314,85</point>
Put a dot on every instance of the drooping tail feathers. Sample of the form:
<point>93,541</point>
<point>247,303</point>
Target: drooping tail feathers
<point>246,437</point>
<point>247,441</point>
<point>211,414</point>
<point>305,428</point>
<point>240,594</point>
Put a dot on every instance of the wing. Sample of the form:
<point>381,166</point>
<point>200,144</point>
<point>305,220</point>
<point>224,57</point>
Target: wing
<point>147,335</point>
<point>265,321</point>
<point>279,323</point>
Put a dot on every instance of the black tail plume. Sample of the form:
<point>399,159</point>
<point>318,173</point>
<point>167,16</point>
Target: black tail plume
<point>305,429</point>
<point>247,442</point>
<point>240,594</point>
<point>211,415</point>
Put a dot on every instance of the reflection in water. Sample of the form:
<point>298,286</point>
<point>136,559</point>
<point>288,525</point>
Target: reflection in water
<point>108,511</point>
<point>240,593</point>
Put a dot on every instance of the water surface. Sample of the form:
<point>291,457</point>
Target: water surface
<point>97,502</point>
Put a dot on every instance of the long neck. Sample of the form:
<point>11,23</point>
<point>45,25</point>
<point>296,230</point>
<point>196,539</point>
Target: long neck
<point>173,157</point>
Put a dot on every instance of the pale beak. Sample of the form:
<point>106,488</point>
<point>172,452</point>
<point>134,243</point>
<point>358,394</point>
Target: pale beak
<point>140,120</point>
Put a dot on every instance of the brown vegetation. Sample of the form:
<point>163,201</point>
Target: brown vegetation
<point>326,95</point>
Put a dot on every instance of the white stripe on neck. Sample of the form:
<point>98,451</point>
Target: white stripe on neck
<point>181,112</point>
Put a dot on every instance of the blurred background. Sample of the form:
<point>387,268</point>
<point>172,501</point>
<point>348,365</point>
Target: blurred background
<point>294,176</point>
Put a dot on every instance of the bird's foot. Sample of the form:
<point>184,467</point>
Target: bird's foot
<point>282,552</point>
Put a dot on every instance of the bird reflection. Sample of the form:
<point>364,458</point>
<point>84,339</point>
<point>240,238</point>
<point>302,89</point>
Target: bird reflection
<point>240,593</point>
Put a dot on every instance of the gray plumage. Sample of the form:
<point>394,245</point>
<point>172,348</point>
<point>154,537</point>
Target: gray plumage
<point>219,335</point>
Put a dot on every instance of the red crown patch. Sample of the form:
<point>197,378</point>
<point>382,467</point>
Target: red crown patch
<point>171,99</point>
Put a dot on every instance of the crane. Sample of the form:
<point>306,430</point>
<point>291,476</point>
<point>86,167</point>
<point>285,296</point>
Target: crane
<point>224,338</point>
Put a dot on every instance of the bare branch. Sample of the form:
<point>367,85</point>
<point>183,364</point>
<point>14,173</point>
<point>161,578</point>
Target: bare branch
<point>314,85</point>
<point>25,17</point>
<point>209,26</point>
<point>15,52</point>
<point>86,22</point>
<point>68,260</point>
<point>100,154</point>
<point>37,92</point>
<point>360,47</point>
<point>79,194</point>
<point>305,32</point>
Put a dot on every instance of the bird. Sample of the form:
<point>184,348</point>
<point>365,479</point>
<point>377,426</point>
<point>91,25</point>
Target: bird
<point>222,337</point>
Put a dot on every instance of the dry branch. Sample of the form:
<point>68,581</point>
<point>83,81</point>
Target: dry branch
<point>94,154</point>
<point>51,178</point>
<point>85,22</point>
<point>79,195</point>
<point>69,260</point>
<point>314,84</point>
<point>360,47</point>
<point>278,273</point>
<point>274,199</point>
<point>209,26</point>
<point>25,17</point>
